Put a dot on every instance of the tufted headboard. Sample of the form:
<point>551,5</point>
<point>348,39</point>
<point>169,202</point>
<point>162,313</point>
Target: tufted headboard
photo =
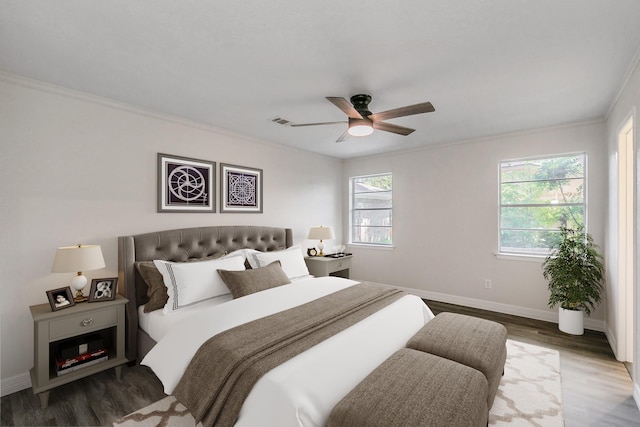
<point>182,245</point>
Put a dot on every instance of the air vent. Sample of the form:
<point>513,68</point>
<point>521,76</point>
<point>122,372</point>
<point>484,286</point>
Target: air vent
<point>280,121</point>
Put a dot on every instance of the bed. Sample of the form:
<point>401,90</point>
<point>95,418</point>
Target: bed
<point>300,391</point>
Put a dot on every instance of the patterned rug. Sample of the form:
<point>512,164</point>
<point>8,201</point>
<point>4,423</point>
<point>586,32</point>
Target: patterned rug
<point>530,392</point>
<point>530,395</point>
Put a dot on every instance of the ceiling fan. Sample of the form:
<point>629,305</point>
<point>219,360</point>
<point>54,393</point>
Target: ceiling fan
<point>362,122</point>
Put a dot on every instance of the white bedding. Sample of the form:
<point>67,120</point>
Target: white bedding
<point>157,323</point>
<point>302,391</point>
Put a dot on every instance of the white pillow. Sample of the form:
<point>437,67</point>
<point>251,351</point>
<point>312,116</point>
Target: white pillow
<point>192,282</point>
<point>291,260</point>
<point>247,253</point>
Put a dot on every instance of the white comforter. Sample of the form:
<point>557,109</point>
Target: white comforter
<point>303,390</point>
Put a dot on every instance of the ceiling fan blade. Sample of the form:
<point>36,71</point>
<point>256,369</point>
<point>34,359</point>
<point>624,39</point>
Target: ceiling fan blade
<point>388,127</point>
<point>409,110</point>
<point>345,135</point>
<point>315,124</point>
<point>345,106</point>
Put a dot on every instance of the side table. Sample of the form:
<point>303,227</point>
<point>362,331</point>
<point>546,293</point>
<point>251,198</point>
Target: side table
<point>53,329</point>
<point>329,266</point>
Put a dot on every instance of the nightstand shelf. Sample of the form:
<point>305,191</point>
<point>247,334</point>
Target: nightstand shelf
<point>327,266</point>
<point>51,329</point>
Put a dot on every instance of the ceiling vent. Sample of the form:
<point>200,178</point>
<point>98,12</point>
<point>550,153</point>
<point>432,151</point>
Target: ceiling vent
<point>280,121</point>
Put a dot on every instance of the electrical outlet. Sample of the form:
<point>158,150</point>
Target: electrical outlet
<point>487,283</point>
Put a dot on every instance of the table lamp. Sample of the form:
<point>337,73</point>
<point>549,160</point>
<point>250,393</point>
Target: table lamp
<point>321,233</point>
<point>78,258</point>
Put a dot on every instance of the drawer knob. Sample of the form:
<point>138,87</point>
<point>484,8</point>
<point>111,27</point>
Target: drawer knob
<point>87,322</point>
<point>340,265</point>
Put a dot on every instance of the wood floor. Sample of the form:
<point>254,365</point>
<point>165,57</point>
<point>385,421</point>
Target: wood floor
<point>597,390</point>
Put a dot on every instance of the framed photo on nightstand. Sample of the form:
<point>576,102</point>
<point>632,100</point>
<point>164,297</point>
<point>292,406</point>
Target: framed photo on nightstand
<point>103,289</point>
<point>60,298</point>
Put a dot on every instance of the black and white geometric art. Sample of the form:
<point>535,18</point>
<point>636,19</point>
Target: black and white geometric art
<point>241,189</point>
<point>185,184</point>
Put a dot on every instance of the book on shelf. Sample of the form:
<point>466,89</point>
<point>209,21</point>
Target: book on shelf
<point>64,366</point>
<point>77,346</point>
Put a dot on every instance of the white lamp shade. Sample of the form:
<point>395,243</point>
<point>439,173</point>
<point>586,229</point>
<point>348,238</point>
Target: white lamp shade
<point>78,258</point>
<point>321,233</point>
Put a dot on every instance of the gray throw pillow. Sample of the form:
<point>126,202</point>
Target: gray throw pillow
<point>242,283</point>
<point>156,290</point>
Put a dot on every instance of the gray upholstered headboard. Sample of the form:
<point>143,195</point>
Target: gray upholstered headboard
<point>181,245</point>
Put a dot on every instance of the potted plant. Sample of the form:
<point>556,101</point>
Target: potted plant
<point>575,273</point>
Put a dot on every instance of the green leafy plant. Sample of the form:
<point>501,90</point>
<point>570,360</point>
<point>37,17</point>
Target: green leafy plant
<point>575,271</point>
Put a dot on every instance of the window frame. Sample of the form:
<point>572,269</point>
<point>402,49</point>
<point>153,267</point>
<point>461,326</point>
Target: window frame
<point>539,253</point>
<point>353,210</point>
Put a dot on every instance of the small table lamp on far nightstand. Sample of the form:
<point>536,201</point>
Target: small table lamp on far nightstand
<point>321,233</point>
<point>78,258</point>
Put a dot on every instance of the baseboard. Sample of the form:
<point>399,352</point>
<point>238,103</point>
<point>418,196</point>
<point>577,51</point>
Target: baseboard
<point>544,315</point>
<point>636,394</point>
<point>14,384</point>
<point>611,337</point>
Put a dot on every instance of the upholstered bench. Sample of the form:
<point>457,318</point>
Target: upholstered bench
<point>474,342</point>
<point>417,389</point>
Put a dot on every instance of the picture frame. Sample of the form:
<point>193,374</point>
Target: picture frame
<point>186,184</point>
<point>241,189</point>
<point>103,289</point>
<point>60,298</point>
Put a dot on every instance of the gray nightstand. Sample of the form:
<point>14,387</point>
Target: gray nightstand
<point>53,328</point>
<point>327,266</point>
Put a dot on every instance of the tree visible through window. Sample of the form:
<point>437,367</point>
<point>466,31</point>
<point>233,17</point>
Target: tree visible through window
<point>371,209</point>
<point>537,197</point>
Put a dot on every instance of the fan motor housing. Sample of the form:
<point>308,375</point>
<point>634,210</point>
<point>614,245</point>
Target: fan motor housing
<point>361,104</point>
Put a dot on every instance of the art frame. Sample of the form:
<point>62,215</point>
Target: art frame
<point>60,298</point>
<point>186,184</point>
<point>103,289</point>
<point>241,189</point>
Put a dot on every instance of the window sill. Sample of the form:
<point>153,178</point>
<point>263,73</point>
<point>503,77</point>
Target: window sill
<point>520,257</point>
<point>372,246</point>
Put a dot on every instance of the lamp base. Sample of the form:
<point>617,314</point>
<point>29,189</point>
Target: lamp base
<point>80,297</point>
<point>78,283</point>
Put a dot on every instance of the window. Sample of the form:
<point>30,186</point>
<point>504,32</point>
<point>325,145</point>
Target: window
<point>371,209</point>
<point>537,197</point>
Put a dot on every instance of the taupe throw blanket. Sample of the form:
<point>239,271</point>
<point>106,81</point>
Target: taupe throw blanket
<point>226,367</point>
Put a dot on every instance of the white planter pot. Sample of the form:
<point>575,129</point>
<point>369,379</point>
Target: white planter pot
<point>571,321</point>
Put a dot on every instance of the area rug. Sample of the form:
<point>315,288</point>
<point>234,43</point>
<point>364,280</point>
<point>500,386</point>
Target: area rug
<point>530,392</point>
<point>530,395</point>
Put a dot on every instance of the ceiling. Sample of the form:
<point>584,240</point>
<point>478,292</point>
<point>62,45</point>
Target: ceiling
<point>488,66</point>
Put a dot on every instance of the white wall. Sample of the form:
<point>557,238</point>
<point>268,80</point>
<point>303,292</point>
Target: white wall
<point>445,220</point>
<point>78,169</point>
<point>627,104</point>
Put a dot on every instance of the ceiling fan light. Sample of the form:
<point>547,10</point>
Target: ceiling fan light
<point>360,128</point>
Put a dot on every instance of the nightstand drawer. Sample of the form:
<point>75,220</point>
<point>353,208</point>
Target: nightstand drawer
<point>82,323</point>
<point>339,264</point>
<point>320,266</point>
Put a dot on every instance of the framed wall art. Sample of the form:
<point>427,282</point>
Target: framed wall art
<point>103,289</point>
<point>186,185</point>
<point>241,189</point>
<point>60,298</point>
